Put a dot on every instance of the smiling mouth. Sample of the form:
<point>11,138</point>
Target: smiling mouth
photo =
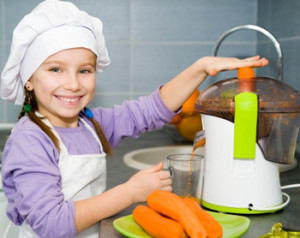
<point>70,100</point>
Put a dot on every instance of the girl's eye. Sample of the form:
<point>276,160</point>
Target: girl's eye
<point>55,70</point>
<point>85,71</point>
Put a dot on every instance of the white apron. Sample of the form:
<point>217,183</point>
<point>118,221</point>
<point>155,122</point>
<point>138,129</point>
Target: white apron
<point>83,176</point>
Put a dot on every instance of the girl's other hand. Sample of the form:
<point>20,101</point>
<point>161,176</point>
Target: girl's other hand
<point>214,65</point>
<point>146,181</point>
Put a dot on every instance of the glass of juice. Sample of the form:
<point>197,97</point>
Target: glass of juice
<point>187,174</point>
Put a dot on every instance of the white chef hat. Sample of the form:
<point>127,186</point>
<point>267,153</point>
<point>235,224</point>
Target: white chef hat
<point>51,27</point>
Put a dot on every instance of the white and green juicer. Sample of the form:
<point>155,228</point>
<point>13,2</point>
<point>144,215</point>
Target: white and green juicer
<point>251,125</point>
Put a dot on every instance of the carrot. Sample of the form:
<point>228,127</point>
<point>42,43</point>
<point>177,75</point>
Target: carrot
<point>211,225</point>
<point>156,225</point>
<point>173,206</point>
<point>245,76</point>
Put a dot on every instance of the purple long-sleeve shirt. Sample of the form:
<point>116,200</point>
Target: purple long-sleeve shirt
<point>30,173</point>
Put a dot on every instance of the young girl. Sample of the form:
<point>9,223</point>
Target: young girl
<point>53,165</point>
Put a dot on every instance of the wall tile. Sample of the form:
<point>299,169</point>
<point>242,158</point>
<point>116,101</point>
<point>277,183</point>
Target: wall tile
<point>2,38</point>
<point>13,112</point>
<point>2,55</point>
<point>285,18</point>
<point>116,77</point>
<point>14,11</point>
<point>108,100</point>
<point>115,15</point>
<point>264,13</point>
<point>1,18</point>
<point>283,21</point>
<point>2,112</point>
<point>281,18</point>
<point>173,20</point>
<point>291,62</point>
<point>155,64</point>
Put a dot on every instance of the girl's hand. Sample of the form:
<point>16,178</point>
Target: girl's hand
<point>146,181</point>
<point>213,65</point>
<point>136,189</point>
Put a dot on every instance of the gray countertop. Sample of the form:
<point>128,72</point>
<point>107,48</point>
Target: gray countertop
<point>118,172</point>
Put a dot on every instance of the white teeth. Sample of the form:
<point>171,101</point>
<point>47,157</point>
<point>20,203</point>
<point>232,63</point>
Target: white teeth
<point>69,99</point>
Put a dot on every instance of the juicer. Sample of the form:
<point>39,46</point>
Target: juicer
<point>251,124</point>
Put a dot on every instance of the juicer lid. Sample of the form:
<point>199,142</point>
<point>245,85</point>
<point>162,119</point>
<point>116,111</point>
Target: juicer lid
<point>274,96</point>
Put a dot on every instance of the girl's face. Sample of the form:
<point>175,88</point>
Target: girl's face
<point>64,84</point>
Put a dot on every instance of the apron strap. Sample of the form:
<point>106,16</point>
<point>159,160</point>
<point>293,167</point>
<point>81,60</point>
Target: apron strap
<point>63,148</point>
<point>93,133</point>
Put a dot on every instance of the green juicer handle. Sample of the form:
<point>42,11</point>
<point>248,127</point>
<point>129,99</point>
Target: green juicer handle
<point>245,125</point>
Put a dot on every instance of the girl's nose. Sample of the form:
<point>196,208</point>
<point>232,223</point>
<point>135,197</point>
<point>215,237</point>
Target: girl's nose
<point>72,82</point>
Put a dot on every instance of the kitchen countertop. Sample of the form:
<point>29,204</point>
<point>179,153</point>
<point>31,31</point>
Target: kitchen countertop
<point>118,172</point>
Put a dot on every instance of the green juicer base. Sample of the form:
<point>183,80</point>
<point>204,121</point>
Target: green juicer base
<point>235,210</point>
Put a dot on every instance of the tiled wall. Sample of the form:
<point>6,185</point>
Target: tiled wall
<point>149,41</point>
<point>282,19</point>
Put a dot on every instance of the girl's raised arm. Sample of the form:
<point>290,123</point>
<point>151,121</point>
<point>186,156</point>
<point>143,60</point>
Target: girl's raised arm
<point>179,89</point>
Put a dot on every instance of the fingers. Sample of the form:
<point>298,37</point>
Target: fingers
<point>165,180</point>
<point>167,188</point>
<point>213,72</point>
<point>164,174</point>
<point>222,64</point>
<point>263,62</point>
<point>253,62</point>
<point>155,168</point>
<point>257,63</point>
<point>166,184</point>
<point>253,58</point>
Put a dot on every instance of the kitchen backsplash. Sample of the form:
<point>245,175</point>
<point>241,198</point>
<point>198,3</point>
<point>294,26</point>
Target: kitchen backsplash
<point>282,19</point>
<point>150,42</point>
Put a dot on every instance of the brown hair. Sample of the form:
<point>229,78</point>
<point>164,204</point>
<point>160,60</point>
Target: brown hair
<point>31,102</point>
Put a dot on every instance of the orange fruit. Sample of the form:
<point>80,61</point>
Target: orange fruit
<point>189,106</point>
<point>189,126</point>
<point>176,119</point>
